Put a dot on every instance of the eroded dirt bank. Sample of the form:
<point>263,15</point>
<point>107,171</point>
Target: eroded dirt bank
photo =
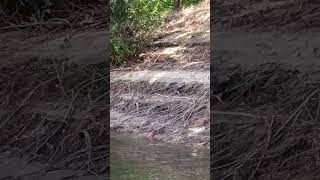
<point>175,112</point>
<point>166,95</point>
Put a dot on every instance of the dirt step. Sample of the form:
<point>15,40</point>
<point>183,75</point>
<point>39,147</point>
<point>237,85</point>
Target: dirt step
<point>163,76</point>
<point>178,83</point>
<point>176,52</point>
<point>163,88</point>
<point>161,128</point>
<point>191,42</point>
<point>170,64</point>
<point>200,38</point>
<point>159,98</point>
<point>172,58</point>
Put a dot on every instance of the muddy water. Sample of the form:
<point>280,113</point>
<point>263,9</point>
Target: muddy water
<point>137,158</point>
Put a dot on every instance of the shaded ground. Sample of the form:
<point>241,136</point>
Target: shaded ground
<point>166,95</point>
<point>266,99</point>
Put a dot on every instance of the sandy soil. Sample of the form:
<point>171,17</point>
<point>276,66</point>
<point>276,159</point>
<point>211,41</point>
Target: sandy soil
<point>163,76</point>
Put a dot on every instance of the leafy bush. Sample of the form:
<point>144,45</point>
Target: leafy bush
<point>129,18</point>
<point>131,24</point>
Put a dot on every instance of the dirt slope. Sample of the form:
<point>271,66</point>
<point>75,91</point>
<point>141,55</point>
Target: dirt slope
<point>166,96</point>
<point>181,42</point>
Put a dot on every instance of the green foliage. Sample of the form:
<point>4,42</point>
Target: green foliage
<point>132,21</point>
<point>189,2</point>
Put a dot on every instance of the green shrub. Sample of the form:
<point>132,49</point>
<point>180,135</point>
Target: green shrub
<point>131,24</point>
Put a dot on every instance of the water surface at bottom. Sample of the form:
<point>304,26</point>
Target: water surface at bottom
<point>137,158</point>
